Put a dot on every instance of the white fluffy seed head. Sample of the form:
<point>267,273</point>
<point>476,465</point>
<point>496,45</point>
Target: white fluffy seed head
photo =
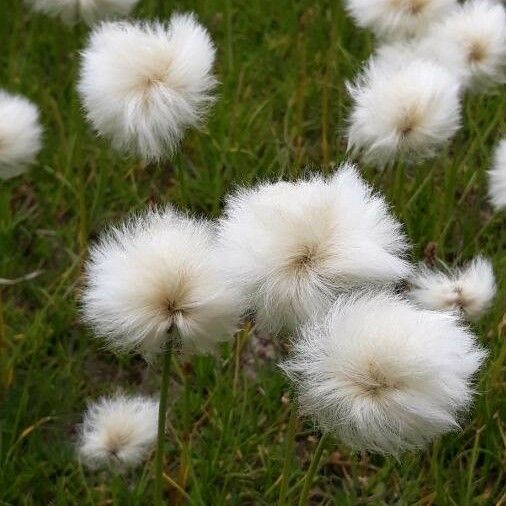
<point>143,84</point>
<point>402,110</point>
<point>156,272</point>
<point>90,11</point>
<point>291,247</point>
<point>471,43</point>
<point>397,18</point>
<point>383,375</point>
<point>118,431</point>
<point>497,177</point>
<point>469,289</point>
<point>20,134</point>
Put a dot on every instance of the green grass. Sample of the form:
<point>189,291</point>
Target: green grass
<point>282,109</point>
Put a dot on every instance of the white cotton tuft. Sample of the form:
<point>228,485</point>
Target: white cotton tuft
<point>90,11</point>
<point>143,84</point>
<point>382,374</point>
<point>291,247</point>
<point>497,177</point>
<point>118,431</point>
<point>398,18</point>
<point>20,134</point>
<point>469,289</point>
<point>471,43</point>
<point>402,110</point>
<point>155,273</point>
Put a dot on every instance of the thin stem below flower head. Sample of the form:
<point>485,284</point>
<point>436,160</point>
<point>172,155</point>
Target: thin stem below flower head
<point>290,440</point>
<point>313,467</point>
<point>162,410</point>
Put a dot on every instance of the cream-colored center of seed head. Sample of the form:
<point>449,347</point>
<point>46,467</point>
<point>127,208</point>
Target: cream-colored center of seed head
<point>415,7</point>
<point>118,439</point>
<point>477,51</point>
<point>409,122</point>
<point>373,381</point>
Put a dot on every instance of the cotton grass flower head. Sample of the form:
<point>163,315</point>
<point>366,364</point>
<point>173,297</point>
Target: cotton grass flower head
<point>142,84</point>
<point>156,273</point>
<point>291,247</point>
<point>469,289</point>
<point>90,11</point>
<point>20,134</point>
<point>118,431</point>
<point>382,374</point>
<point>397,18</point>
<point>497,177</point>
<point>471,43</point>
<point>403,111</point>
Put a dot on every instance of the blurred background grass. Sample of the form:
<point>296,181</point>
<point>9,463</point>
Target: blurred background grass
<point>281,113</point>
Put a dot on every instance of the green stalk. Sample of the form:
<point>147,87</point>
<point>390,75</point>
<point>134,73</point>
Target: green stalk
<point>313,467</point>
<point>162,414</point>
<point>290,440</point>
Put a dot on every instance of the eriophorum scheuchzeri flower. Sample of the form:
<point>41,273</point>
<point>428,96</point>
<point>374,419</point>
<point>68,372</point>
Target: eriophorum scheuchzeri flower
<point>158,272</point>
<point>469,289</point>
<point>404,108</point>
<point>143,84</point>
<point>497,177</point>
<point>291,247</point>
<point>471,43</point>
<point>90,11</point>
<point>20,134</point>
<point>118,431</point>
<point>382,374</point>
<point>394,19</point>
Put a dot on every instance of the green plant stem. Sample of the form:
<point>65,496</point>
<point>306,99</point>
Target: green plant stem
<point>162,413</point>
<point>290,440</point>
<point>313,467</point>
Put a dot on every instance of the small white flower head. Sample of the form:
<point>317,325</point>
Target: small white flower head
<point>143,84</point>
<point>397,18</point>
<point>402,110</point>
<point>469,289</point>
<point>155,273</point>
<point>497,177</point>
<point>20,134</point>
<point>382,374</point>
<point>118,431</point>
<point>291,247</point>
<point>471,43</point>
<point>90,11</point>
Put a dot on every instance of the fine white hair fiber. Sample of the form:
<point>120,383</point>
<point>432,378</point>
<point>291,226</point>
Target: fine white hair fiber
<point>291,247</point>
<point>20,134</point>
<point>118,431</point>
<point>155,273</point>
<point>497,177</point>
<point>143,84</point>
<point>90,11</point>
<point>395,19</point>
<point>382,374</point>
<point>405,109</point>
<point>469,289</point>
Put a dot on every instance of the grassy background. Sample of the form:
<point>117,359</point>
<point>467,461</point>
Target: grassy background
<point>282,66</point>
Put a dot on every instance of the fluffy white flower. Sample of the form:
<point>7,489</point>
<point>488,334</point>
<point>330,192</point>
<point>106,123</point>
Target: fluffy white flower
<point>497,177</point>
<point>290,247</point>
<point>469,289</point>
<point>20,134</point>
<point>118,431</point>
<point>382,374</point>
<point>90,11</point>
<point>143,84</point>
<point>407,110</point>
<point>471,42</point>
<point>156,272</point>
<point>397,18</point>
